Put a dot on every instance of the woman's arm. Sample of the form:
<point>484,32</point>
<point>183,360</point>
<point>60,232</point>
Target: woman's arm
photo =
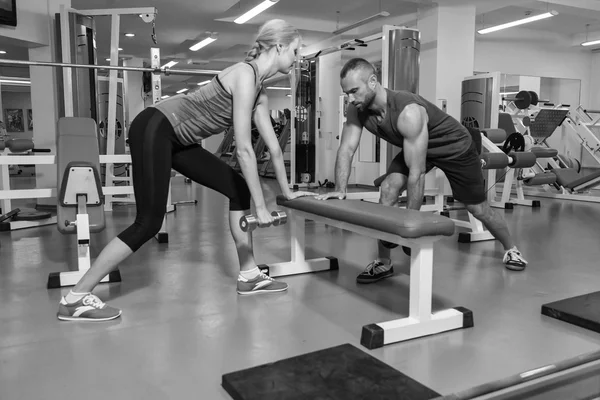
<point>242,88</point>
<point>262,119</point>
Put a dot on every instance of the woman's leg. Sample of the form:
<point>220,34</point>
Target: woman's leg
<point>208,170</point>
<point>151,148</point>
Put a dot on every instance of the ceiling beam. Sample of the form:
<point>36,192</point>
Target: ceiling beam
<point>582,4</point>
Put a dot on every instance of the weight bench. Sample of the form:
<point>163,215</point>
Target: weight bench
<point>414,229</point>
<point>80,200</point>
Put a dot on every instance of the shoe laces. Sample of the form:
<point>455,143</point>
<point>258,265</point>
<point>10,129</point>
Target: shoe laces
<point>515,255</point>
<point>267,277</point>
<point>371,267</point>
<point>93,301</point>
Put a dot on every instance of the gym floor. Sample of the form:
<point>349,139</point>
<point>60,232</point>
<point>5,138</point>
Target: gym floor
<point>184,325</point>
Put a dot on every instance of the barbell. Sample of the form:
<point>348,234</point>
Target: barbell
<point>166,71</point>
<point>524,99</point>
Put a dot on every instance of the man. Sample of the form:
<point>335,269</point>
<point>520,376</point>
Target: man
<point>428,138</point>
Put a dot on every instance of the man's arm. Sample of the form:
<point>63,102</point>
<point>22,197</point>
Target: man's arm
<point>351,133</point>
<point>265,128</point>
<point>412,125</point>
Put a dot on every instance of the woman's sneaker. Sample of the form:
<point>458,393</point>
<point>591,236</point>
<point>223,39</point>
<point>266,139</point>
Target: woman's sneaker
<point>374,272</point>
<point>261,284</point>
<point>514,260</point>
<point>88,308</point>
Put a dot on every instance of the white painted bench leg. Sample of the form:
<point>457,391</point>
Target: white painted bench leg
<point>84,262</point>
<point>298,264</point>
<point>420,322</point>
<point>478,231</point>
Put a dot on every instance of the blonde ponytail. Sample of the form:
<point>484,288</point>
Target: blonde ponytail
<point>254,52</point>
<point>270,34</point>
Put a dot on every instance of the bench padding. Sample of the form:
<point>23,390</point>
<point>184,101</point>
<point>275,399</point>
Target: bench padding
<point>409,224</point>
<point>544,152</point>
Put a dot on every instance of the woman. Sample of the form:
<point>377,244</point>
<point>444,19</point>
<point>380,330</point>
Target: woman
<point>166,136</point>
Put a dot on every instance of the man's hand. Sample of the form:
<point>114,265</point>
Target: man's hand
<point>331,195</point>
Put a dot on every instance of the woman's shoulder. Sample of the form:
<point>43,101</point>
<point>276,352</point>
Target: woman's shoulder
<point>240,70</point>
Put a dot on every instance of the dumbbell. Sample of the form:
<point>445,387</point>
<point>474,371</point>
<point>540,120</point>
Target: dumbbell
<point>248,223</point>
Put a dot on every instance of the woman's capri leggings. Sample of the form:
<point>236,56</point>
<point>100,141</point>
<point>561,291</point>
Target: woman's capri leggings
<point>155,150</point>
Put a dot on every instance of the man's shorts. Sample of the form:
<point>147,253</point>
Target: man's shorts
<point>463,173</point>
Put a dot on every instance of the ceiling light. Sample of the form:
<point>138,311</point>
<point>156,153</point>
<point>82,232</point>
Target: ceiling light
<point>279,88</point>
<point>108,59</point>
<point>255,11</point>
<point>2,52</point>
<point>130,34</point>
<point>182,90</point>
<point>591,43</point>
<point>165,96</point>
<point>203,83</point>
<point>15,82</point>
<point>170,64</point>
<point>120,49</point>
<point>204,42</point>
<point>518,22</point>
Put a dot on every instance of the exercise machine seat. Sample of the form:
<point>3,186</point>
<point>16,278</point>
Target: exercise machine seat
<point>545,178</point>
<point>544,152</point>
<point>570,178</point>
<point>505,122</point>
<point>77,151</point>
<point>409,224</point>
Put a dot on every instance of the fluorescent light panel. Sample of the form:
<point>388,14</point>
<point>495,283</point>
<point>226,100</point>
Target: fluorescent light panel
<point>591,43</point>
<point>255,11</point>
<point>170,64</point>
<point>15,82</point>
<point>182,90</point>
<point>203,43</point>
<point>203,83</point>
<point>279,88</point>
<point>518,22</point>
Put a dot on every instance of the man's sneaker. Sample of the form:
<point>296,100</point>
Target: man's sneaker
<point>88,308</point>
<point>261,284</point>
<point>514,260</point>
<point>374,272</point>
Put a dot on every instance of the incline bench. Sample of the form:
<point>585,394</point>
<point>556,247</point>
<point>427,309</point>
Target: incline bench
<point>414,229</point>
<point>80,199</point>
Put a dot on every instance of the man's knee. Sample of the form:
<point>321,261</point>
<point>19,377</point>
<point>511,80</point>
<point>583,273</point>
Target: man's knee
<point>392,186</point>
<point>480,210</point>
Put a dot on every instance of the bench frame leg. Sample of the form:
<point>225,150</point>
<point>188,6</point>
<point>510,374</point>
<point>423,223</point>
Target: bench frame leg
<point>298,263</point>
<point>420,322</point>
<point>70,278</point>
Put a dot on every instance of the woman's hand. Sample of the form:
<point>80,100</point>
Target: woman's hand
<point>264,217</point>
<point>294,195</point>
